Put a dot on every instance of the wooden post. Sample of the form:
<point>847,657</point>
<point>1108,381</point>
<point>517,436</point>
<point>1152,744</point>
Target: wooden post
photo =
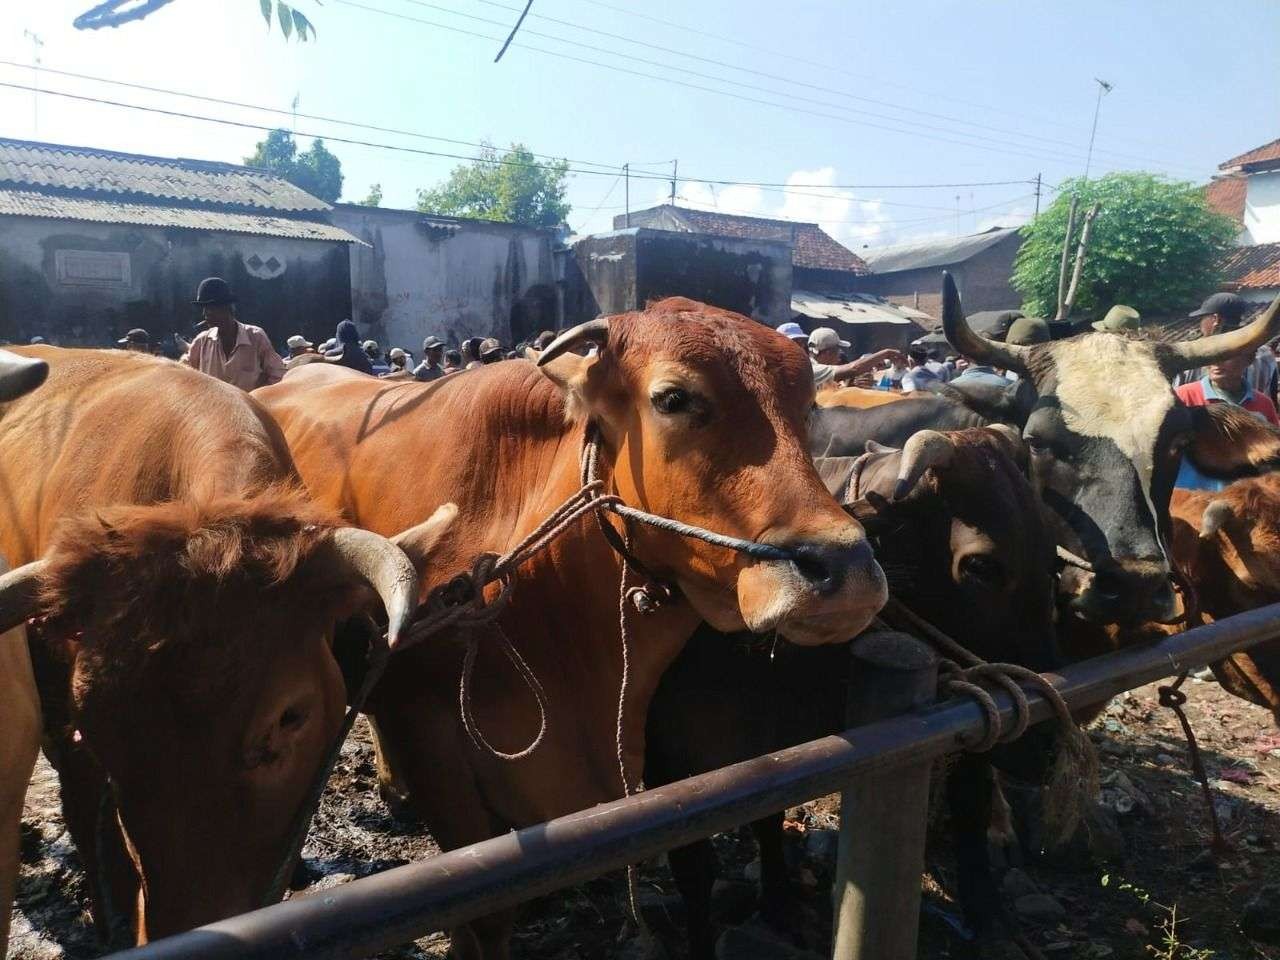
<point>883,816</point>
<point>1066,258</point>
<point>1081,252</point>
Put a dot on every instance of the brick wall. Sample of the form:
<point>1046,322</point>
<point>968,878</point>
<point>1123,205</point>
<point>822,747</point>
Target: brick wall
<point>983,281</point>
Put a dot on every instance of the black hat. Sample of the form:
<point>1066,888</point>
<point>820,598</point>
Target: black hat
<point>136,335</point>
<point>1229,306</point>
<point>214,291</point>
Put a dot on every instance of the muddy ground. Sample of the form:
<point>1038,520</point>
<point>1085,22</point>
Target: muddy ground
<point>1145,887</point>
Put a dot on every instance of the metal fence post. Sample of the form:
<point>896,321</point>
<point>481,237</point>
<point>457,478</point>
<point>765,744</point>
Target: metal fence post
<point>883,816</point>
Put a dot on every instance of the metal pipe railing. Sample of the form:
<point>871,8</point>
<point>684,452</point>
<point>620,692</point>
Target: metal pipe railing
<point>404,903</point>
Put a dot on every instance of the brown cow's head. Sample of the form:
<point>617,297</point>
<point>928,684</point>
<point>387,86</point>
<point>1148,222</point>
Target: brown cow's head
<point>1105,434</point>
<point>960,534</point>
<point>202,681</point>
<point>703,416</point>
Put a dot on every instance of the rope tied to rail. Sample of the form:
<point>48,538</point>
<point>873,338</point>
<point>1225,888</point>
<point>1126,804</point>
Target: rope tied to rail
<point>1074,777</point>
<point>1171,696</point>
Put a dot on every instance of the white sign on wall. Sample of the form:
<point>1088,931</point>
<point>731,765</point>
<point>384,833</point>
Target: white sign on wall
<point>264,264</point>
<point>98,268</point>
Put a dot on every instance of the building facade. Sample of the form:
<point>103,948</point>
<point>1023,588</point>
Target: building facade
<point>95,242</point>
<point>1248,191</point>
<point>418,274</point>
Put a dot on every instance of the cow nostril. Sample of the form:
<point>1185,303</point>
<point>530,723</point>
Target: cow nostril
<point>1109,584</point>
<point>814,569</point>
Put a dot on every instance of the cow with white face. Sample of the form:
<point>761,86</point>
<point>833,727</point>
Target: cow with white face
<point>1106,433</point>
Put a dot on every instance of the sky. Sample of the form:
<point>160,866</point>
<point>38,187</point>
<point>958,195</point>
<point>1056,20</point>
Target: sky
<point>861,116</point>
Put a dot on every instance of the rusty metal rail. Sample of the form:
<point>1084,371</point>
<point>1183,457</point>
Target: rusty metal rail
<point>404,903</point>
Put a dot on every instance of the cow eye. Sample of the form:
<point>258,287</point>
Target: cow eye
<point>976,566</point>
<point>1039,446</point>
<point>673,400</point>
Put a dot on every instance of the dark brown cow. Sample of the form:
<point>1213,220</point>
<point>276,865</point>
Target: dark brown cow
<point>959,533</point>
<point>701,414</point>
<point>190,587</point>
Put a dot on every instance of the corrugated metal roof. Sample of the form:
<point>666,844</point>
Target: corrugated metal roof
<point>134,176</point>
<point>932,253</point>
<point>23,203</point>
<point>855,308</point>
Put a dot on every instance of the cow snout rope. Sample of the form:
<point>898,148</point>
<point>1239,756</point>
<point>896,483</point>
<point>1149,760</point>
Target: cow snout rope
<point>1074,777</point>
<point>1171,696</point>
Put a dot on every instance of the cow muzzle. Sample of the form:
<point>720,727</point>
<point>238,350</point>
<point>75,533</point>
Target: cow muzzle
<point>1127,592</point>
<point>826,593</point>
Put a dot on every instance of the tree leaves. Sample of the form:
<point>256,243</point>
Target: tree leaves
<point>266,11</point>
<point>292,22</point>
<point>314,170</point>
<point>514,188</point>
<point>285,14</point>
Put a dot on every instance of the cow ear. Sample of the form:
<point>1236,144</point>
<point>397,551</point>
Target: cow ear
<point>569,372</point>
<point>419,542</point>
<point>1228,442</point>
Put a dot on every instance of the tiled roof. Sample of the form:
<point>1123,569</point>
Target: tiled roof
<point>812,247</point>
<point>1225,195</point>
<point>941,252</point>
<point>133,177</point>
<point>24,203</point>
<point>1252,268</point>
<point>1267,155</point>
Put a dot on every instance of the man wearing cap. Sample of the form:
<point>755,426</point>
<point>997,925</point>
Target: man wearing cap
<point>1221,313</point>
<point>236,353</point>
<point>430,368</point>
<point>347,350</point>
<point>490,351</point>
<point>1121,318</point>
<point>397,365</point>
<point>136,340</point>
<point>299,346</point>
<point>374,353</point>
<point>824,355</point>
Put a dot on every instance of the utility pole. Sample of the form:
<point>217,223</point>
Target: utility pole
<point>957,214</point>
<point>1037,197</point>
<point>296,97</point>
<point>626,174</point>
<point>36,45</point>
<point>1103,88</point>
<point>675,171</point>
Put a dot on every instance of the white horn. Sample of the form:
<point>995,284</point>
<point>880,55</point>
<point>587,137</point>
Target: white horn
<point>962,336</point>
<point>595,331</point>
<point>926,449</point>
<point>357,554</point>
<point>1200,353</point>
<point>19,375</point>
<point>19,593</point>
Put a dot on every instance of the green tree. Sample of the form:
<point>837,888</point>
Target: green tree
<point>374,199</point>
<point>113,13</point>
<point>315,169</point>
<point>1155,246</point>
<point>513,187</point>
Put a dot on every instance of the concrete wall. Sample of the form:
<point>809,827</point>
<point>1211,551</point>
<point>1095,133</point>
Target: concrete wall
<point>449,277</point>
<point>85,284</point>
<point>1262,209</point>
<point>624,270</point>
<point>983,281</point>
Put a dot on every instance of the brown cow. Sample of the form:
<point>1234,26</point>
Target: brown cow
<point>702,417</point>
<point>190,587</point>
<point>860,398</point>
<point>961,537</point>
<point>19,703</point>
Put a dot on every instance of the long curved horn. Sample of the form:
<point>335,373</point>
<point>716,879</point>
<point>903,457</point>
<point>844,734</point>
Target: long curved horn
<point>925,449</point>
<point>19,590</point>
<point>1215,517</point>
<point>1207,350</point>
<point>19,375</point>
<point>360,555</point>
<point>1007,355</point>
<point>596,331</point>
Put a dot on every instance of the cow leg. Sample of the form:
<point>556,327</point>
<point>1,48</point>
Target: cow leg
<point>392,786</point>
<point>113,882</point>
<point>775,887</point>
<point>969,800</point>
<point>486,938</point>
<point>19,746</point>
<point>694,870</point>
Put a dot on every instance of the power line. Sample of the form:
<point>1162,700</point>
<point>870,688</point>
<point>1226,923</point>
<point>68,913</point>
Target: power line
<point>998,147</point>
<point>861,223</point>
<point>780,78</point>
<point>603,200</point>
<point>791,56</point>
<point>609,168</point>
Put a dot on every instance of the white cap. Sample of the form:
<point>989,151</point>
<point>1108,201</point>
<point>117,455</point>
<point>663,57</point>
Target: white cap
<point>297,340</point>
<point>824,338</point>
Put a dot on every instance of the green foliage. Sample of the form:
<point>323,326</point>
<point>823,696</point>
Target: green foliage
<point>315,170</point>
<point>374,199</point>
<point>292,22</point>
<point>513,187</point>
<point>1154,246</point>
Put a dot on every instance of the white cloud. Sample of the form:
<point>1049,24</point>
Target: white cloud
<point>1013,218</point>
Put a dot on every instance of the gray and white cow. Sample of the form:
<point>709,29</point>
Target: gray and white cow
<point>1106,435</point>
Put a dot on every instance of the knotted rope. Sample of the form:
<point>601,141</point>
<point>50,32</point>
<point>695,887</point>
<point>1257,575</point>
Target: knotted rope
<point>1171,696</point>
<point>1074,776</point>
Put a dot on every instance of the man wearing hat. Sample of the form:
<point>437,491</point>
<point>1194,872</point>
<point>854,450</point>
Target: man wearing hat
<point>793,331</point>
<point>824,355</point>
<point>430,368</point>
<point>490,350</point>
<point>1119,319</point>
<point>136,340</point>
<point>1221,313</point>
<point>236,353</point>
<point>374,353</point>
<point>299,346</point>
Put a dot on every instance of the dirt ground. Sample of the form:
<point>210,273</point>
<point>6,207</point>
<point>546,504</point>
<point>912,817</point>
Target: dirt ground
<point>1144,887</point>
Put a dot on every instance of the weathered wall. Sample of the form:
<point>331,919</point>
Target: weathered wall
<point>626,269</point>
<point>449,277</point>
<point>1262,209</point>
<point>983,281</point>
<point>78,283</point>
